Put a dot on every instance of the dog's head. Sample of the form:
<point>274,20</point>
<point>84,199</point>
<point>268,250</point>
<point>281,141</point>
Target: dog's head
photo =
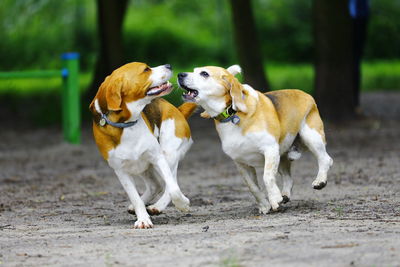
<point>132,82</point>
<point>210,84</point>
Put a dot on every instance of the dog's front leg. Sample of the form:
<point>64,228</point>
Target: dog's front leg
<point>143,218</point>
<point>272,157</point>
<point>250,178</point>
<point>171,185</point>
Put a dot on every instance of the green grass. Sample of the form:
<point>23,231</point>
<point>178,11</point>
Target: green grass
<point>376,76</point>
<point>293,76</point>
<point>381,75</point>
<point>31,86</point>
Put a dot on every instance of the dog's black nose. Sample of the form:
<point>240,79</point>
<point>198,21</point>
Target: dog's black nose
<point>182,75</point>
<point>168,66</point>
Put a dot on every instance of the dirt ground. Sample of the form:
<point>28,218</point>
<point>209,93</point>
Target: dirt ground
<point>61,205</point>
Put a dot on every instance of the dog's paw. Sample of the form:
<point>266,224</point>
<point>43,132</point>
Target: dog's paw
<point>275,206</point>
<point>205,115</point>
<point>152,210</point>
<point>181,203</point>
<point>262,209</point>
<point>318,185</point>
<point>143,223</point>
<point>294,155</point>
<point>275,201</point>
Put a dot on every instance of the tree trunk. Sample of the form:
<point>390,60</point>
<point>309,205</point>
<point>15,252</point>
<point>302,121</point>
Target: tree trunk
<point>247,45</point>
<point>110,18</point>
<point>334,65</point>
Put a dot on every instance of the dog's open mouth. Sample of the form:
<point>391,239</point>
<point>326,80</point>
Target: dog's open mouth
<point>163,89</point>
<point>190,94</point>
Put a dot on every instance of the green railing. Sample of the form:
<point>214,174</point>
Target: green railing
<point>71,119</point>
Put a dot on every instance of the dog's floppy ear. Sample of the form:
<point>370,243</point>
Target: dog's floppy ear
<point>92,107</point>
<point>113,89</point>
<point>108,97</point>
<point>236,92</point>
<point>234,69</point>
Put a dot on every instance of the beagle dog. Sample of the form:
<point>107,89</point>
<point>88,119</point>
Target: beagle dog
<point>142,135</point>
<point>259,130</point>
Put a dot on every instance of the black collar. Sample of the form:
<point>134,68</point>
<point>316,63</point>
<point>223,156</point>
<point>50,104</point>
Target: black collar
<point>104,120</point>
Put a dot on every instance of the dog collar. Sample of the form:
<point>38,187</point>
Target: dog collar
<point>104,120</point>
<point>229,114</point>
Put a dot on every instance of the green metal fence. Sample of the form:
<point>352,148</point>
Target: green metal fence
<point>71,118</point>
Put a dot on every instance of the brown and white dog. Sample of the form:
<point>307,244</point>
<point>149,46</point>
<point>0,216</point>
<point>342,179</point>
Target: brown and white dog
<point>259,130</point>
<point>141,135</point>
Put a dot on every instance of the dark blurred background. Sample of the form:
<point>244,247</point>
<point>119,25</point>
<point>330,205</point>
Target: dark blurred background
<point>316,46</point>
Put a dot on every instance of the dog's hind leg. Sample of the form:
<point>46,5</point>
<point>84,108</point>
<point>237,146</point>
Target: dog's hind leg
<point>152,186</point>
<point>313,136</point>
<point>163,170</point>
<point>165,199</point>
<point>285,171</point>
<point>152,189</point>
<point>249,176</point>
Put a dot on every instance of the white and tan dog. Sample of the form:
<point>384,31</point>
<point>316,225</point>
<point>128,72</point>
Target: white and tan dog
<point>141,135</point>
<point>259,130</point>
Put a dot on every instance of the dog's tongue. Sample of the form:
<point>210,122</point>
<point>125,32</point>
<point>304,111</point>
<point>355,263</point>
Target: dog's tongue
<point>158,89</point>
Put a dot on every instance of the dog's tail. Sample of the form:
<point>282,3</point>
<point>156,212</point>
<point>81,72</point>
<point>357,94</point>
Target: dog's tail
<point>187,109</point>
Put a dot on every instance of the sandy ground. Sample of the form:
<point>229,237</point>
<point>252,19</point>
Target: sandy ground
<point>62,205</point>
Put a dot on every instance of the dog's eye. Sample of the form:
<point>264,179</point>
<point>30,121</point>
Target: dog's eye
<point>204,74</point>
<point>146,69</point>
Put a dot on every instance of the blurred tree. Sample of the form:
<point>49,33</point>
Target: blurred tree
<point>110,18</point>
<point>247,45</point>
<point>334,62</point>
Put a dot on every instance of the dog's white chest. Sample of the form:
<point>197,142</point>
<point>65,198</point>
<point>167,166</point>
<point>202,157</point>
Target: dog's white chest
<point>247,148</point>
<point>136,149</point>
